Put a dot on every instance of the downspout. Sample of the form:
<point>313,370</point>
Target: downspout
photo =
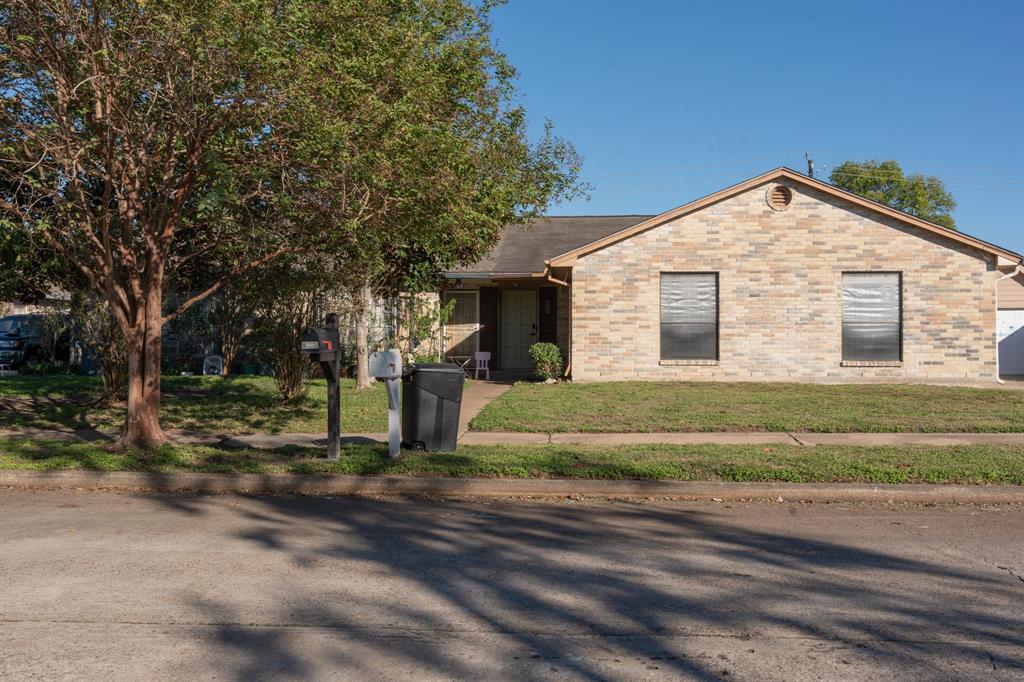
<point>1019,270</point>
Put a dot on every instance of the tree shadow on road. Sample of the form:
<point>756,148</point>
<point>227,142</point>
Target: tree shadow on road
<point>638,578</point>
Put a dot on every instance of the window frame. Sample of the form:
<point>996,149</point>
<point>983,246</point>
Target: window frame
<point>842,314</point>
<point>718,316</point>
<point>476,325</point>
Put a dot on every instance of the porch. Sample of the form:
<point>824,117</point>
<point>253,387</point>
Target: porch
<point>505,318</point>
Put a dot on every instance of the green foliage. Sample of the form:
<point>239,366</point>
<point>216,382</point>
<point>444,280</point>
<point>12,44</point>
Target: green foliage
<point>97,330</point>
<point>417,171</point>
<point>28,268</point>
<point>181,145</point>
<point>884,181</point>
<point>547,361</point>
<point>425,358</point>
<point>49,368</point>
<point>53,331</point>
<point>420,320</point>
<point>296,292</point>
<point>230,314</point>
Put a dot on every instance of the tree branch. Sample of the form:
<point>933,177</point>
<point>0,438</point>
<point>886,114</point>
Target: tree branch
<point>222,281</point>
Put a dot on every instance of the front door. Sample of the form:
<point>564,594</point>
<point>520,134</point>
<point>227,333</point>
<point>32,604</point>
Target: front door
<point>518,328</point>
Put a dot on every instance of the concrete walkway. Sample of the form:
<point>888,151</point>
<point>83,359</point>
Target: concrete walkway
<point>475,398</point>
<point>272,441</point>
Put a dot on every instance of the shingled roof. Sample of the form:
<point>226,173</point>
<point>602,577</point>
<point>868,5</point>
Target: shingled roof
<point>523,250</point>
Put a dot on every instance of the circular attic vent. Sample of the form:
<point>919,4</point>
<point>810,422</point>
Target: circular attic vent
<point>780,197</point>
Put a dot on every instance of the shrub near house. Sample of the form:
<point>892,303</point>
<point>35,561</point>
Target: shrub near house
<point>547,361</point>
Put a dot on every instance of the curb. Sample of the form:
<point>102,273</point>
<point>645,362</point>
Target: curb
<point>264,441</point>
<point>299,484</point>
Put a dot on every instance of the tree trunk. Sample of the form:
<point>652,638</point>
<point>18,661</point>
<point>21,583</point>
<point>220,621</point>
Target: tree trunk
<point>362,332</point>
<point>142,422</point>
<point>229,346</point>
<point>228,353</point>
<point>231,325</point>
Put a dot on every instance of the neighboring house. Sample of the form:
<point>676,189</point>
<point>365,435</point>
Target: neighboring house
<point>1010,324</point>
<point>779,278</point>
<point>56,298</point>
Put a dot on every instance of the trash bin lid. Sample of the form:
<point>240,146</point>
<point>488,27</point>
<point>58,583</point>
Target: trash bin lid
<point>436,367</point>
<point>437,378</point>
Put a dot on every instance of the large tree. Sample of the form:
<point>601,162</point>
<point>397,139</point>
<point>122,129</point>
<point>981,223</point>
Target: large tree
<point>885,182</point>
<point>417,148</point>
<point>122,124</point>
<point>187,143</point>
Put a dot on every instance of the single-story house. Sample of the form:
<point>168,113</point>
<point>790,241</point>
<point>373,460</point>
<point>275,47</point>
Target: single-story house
<point>782,277</point>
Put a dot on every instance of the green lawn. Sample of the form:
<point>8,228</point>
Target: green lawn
<point>918,464</point>
<point>233,405</point>
<point>672,406</point>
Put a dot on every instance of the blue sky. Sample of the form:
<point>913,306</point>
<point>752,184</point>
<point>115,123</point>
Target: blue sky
<point>669,101</point>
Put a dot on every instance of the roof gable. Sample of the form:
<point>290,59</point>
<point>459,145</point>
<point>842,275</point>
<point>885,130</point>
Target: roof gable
<point>568,258</point>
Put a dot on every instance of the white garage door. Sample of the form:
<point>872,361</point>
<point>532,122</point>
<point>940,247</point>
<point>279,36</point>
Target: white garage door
<point>1010,326</point>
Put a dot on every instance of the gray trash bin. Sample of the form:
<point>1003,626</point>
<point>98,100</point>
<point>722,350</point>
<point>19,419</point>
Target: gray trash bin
<point>431,402</point>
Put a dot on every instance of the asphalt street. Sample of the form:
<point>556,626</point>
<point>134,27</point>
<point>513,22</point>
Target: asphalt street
<point>115,586</point>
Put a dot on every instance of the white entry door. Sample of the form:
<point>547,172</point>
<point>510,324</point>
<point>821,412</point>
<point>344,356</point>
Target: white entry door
<point>518,328</point>
<point>1010,326</point>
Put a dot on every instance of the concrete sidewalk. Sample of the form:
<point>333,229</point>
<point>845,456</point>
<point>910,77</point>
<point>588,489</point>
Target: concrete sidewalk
<point>741,438</point>
<point>274,441</point>
<point>475,398</point>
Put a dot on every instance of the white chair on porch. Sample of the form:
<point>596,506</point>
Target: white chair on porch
<point>483,362</point>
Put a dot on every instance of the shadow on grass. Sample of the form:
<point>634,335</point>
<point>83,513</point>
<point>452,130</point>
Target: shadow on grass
<point>235,404</point>
<point>37,404</point>
<point>547,579</point>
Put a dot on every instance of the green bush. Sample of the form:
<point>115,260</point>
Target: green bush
<point>49,368</point>
<point>421,358</point>
<point>547,360</point>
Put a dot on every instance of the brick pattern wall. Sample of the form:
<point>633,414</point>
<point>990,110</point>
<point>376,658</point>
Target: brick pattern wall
<point>563,331</point>
<point>780,294</point>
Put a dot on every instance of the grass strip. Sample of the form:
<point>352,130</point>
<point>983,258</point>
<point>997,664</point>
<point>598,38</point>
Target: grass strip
<point>647,407</point>
<point>969,464</point>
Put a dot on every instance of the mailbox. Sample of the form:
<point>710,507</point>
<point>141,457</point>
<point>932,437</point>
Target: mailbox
<point>321,343</point>
<point>386,364</point>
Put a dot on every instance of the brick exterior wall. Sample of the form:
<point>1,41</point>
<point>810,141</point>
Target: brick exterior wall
<point>780,294</point>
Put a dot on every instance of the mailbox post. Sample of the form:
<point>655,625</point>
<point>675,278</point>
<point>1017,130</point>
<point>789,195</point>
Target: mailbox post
<point>386,366</point>
<point>323,345</point>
